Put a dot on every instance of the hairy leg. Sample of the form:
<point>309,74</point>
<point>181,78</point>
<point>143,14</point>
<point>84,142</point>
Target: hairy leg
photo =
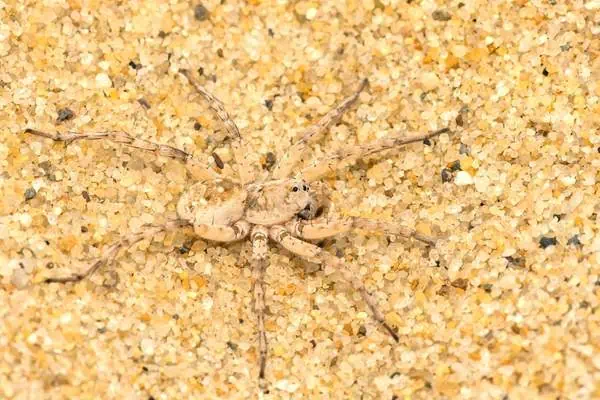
<point>210,232</point>
<point>223,233</point>
<point>349,154</point>
<point>323,228</point>
<point>313,134</point>
<point>118,137</point>
<point>317,255</point>
<point>245,170</point>
<point>260,239</point>
<point>110,253</point>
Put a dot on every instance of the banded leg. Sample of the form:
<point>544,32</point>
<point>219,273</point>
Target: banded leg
<point>223,233</point>
<point>313,134</point>
<point>317,255</point>
<point>260,239</point>
<point>109,255</point>
<point>322,228</point>
<point>349,154</point>
<point>245,170</point>
<point>118,137</point>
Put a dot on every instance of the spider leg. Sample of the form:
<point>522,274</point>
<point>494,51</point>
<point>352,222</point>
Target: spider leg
<point>245,170</point>
<point>317,255</point>
<point>349,154</point>
<point>223,233</point>
<point>323,228</point>
<point>260,238</point>
<point>119,137</point>
<point>109,254</point>
<point>313,134</point>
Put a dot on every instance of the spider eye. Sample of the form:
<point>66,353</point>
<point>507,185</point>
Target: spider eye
<point>305,188</point>
<point>295,189</point>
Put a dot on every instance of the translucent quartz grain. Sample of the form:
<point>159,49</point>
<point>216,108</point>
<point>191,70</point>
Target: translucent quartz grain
<point>488,310</point>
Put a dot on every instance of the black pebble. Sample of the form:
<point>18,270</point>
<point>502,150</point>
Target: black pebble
<point>427,142</point>
<point>446,175</point>
<point>574,241</point>
<point>455,166</point>
<point>200,13</point>
<point>30,193</point>
<point>547,242</point>
<point>133,65</point>
<point>197,126</point>
<point>269,104</point>
<point>65,114</point>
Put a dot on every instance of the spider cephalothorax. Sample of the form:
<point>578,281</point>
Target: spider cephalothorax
<point>284,207</point>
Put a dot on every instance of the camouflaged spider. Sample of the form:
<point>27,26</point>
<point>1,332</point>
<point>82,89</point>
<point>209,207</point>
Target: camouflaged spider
<point>283,206</point>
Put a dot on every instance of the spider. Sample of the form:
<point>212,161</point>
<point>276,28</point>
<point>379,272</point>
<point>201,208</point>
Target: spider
<point>283,206</point>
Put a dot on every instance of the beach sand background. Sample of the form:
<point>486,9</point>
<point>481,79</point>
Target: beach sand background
<point>504,307</point>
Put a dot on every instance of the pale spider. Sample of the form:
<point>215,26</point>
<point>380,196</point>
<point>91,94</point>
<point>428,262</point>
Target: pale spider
<point>284,206</point>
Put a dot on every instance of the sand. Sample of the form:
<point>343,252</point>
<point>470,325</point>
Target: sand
<point>504,306</point>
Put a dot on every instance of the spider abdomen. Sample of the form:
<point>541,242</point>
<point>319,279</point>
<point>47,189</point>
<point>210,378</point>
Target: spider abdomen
<point>215,202</point>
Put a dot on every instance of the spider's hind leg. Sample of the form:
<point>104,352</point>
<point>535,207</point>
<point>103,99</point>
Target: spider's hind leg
<point>317,255</point>
<point>109,254</point>
<point>259,238</point>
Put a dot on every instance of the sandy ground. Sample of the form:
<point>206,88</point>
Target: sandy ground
<point>504,307</point>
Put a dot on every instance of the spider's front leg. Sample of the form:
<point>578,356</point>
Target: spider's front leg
<point>349,154</point>
<point>260,239</point>
<point>313,134</point>
<point>119,137</point>
<point>323,228</point>
<point>245,170</point>
<point>317,255</point>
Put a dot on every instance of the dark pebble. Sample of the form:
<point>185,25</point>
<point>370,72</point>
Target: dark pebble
<point>184,249</point>
<point>270,161</point>
<point>545,72</point>
<point>269,104</point>
<point>144,103</point>
<point>197,126</point>
<point>220,53</point>
<point>460,283</point>
<point>455,166</point>
<point>134,65</point>
<point>464,149</point>
<point>427,142</point>
<point>65,114</point>
<point>86,196</point>
<point>446,175</point>
<point>441,15</point>
<point>515,261</point>
<point>547,242</point>
<point>218,161</point>
<point>200,13</point>
<point>362,331</point>
<point>574,241</point>
<point>30,193</point>
<point>84,229</point>
<point>232,346</point>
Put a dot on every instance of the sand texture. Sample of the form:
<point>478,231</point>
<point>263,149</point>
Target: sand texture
<point>504,306</point>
